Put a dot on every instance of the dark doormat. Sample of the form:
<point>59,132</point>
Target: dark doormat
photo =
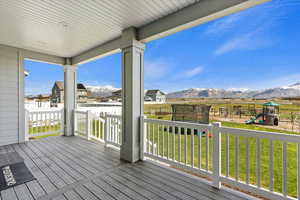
<point>10,158</point>
<point>13,174</point>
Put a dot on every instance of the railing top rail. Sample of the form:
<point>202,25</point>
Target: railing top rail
<point>261,134</point>
<point>44,111</point>
<point>114,116</point>
<point>178,123</point>
<point>80,111</point>
<point>235,131</point>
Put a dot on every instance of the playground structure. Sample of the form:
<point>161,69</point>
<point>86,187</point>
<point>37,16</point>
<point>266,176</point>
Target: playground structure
<point>269,116</point>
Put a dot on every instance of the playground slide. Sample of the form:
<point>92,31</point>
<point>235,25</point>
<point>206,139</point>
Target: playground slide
<point>253,119</point>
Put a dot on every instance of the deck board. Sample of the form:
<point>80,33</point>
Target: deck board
<point>23,193</point>
<point>72,195</point>
<point>9,194</point>
<point>188,189</point>
<point>85,193</point>
<point>68,168</point>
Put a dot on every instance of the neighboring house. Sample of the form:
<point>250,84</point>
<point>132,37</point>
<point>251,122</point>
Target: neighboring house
<point>58,93</point>
<point>150,95</point>
<point>117,94</point>
<point>155,95</point>
<point>82,93</point>
<point>146,98</point>
<point>37,101</point>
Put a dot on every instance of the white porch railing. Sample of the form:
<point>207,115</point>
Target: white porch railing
<point>103,127</point>
<point>41,123</point>
<point>263,163</point>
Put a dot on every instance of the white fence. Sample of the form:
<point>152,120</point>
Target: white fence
<point>263,163</point>
<point>40,123</point>
<point>102,127</point>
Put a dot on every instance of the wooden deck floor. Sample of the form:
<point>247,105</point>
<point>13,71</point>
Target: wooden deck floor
<point>73,168</point>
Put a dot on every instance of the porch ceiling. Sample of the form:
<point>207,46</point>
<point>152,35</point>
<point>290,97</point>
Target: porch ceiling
<point>82,30</point>
<point>67,27</point>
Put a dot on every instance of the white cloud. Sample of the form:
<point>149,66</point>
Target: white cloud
<point>257,38</point>
<point>246,42</point>
<point>249,19</point>
<point>224,24</point>
<point>249,29</point>
<point>157,68</point>
<point>192,72</point>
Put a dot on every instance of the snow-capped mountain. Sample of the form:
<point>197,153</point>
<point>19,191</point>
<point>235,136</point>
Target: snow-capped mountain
<point>294,86</point>
<point>285,91</point>
<point>101,91</point>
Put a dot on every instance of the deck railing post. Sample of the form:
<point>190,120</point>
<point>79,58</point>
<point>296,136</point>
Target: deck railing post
<point>62,121</point>
<point>142,137</point>
<point>88,124</point>
<point>26,125</point>
<point>216,154</point>
<point>75,122</point>
<point>106,129</point>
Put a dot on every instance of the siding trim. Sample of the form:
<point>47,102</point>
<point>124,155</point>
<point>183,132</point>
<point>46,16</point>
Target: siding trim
<point>21,113</point>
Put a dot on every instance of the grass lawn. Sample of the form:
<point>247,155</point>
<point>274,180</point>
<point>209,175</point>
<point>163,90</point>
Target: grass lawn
<point>41,129</point>
<point>264,155</point>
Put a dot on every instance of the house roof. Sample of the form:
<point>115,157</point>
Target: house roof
<point>60,85</point>
<point>151,92</point>
<point>80,86</point>
<point>117,91</point>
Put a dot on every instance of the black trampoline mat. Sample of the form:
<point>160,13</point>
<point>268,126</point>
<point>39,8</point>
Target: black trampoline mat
<point>14,174</point>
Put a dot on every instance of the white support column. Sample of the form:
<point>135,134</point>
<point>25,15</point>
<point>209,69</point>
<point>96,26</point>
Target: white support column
<point>70,88</point>
<point>132,94</point>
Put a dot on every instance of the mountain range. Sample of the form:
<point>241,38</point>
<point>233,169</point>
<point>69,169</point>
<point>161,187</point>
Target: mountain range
<point>101,91</point>
<point>284,91</point>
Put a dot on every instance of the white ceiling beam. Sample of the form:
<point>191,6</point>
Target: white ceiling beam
<point>102,50</point>
<point>190,16</point>
<point>41,57</point>
<point>193,15</point>
<point>36,56</point>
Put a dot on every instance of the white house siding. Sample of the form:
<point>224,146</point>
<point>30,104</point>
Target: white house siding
<point>9,96</point>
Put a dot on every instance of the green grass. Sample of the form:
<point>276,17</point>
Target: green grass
<point>41,129</point>
<point>264,154</point>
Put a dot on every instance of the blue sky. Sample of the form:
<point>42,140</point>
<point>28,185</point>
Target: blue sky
<point>255,49</point>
